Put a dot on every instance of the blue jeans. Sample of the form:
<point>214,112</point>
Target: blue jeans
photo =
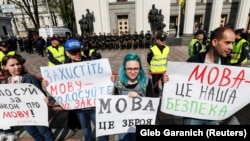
<point>40,133</point>
<point>127,137</point>
<point>85,117</point>
<point>192,121</point>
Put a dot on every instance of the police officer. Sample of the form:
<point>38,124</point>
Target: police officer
<point>56,52</point>
<point>196,44</point>
<point>141,39</point>
<point>135,40</point>
<point>240,49</point>
<point>148,39</point>
<point>157,60</point>
<point>128,40</point>
<point>4,50</point>
<point>115,40</point>
<point>108,41</point>
<point>122,40</point>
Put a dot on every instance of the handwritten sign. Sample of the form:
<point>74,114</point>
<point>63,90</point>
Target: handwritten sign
<point>119,114</point>
<point>22,104</point>
<point>205,91</point>
<point>76,85</point>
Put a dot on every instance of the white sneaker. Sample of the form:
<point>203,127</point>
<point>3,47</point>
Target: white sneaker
<point>11,137</point>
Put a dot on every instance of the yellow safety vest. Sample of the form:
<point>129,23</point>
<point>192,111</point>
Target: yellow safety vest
<point>159,60</point>
<point>191,47</point>
<point>58,54</point>
<point>237,49</point>
<point>3,54</point>
<point>91,51</point>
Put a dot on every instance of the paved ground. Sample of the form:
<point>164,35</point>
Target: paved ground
<point>58,118</point>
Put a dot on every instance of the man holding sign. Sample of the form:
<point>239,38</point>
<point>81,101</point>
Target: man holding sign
<point>221,44</point>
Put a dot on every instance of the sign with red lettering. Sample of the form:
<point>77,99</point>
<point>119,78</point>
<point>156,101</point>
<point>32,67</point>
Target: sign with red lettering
<point>22,104</point>
<point>205,91</point>
<point>76,85</point>
<point>120,114</point>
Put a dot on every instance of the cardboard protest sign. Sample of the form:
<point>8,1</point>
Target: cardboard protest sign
<point>119,113</point>
<point>205,91</point>
<point>76,85</point>
<point>22,104</point>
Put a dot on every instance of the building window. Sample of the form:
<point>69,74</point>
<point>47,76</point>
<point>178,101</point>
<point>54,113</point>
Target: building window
<point>5,30</point>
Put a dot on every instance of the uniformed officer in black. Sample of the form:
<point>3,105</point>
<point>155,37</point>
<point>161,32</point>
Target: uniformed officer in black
<point>148,39</point>
<point>135,40</point>
<point>141,39</point>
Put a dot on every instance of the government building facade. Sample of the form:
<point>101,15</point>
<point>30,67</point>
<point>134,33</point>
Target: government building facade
<point>114,16</point>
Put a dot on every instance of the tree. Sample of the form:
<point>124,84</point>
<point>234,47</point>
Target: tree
<point>30,8</point>
<point>65,9</point>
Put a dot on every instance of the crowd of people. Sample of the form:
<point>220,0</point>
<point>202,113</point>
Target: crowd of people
<point>224,46</point>
<point>125,40</point>
<point>102,41</point>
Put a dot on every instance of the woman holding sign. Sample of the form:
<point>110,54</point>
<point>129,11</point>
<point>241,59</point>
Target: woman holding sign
<point>133,81</point>
<point>85,115</point>
<point>14,72</point>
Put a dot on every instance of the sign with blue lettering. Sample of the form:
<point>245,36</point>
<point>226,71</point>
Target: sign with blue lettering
<point>76,85</point>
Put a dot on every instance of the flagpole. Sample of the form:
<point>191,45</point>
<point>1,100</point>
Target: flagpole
<point>179,19</point>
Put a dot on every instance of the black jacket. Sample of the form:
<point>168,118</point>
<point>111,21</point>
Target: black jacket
<point>200,58</point>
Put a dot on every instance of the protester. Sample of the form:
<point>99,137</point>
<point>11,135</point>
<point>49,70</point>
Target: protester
<point>86,115</point>
<point>221,44</point>
<point>133,81</point>
<point>14,73</point>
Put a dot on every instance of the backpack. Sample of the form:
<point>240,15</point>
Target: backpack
<point>120,87</point>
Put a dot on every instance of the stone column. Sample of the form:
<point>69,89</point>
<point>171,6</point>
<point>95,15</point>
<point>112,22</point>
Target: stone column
<point>242,14</point>
<point>189,17</point>
<point>167,14</point>
<point>139,13</point>
<point>216,11</point>
<point>104,12</point>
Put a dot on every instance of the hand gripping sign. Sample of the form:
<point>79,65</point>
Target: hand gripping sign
<point>76,85</point>
<point>22,104</point>
<point>205,91</point>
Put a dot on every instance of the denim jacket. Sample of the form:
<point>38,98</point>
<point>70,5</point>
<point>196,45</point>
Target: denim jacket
<point>32,79</point>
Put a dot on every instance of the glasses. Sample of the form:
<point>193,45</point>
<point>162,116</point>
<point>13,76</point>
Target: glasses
<point>132,69</point>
